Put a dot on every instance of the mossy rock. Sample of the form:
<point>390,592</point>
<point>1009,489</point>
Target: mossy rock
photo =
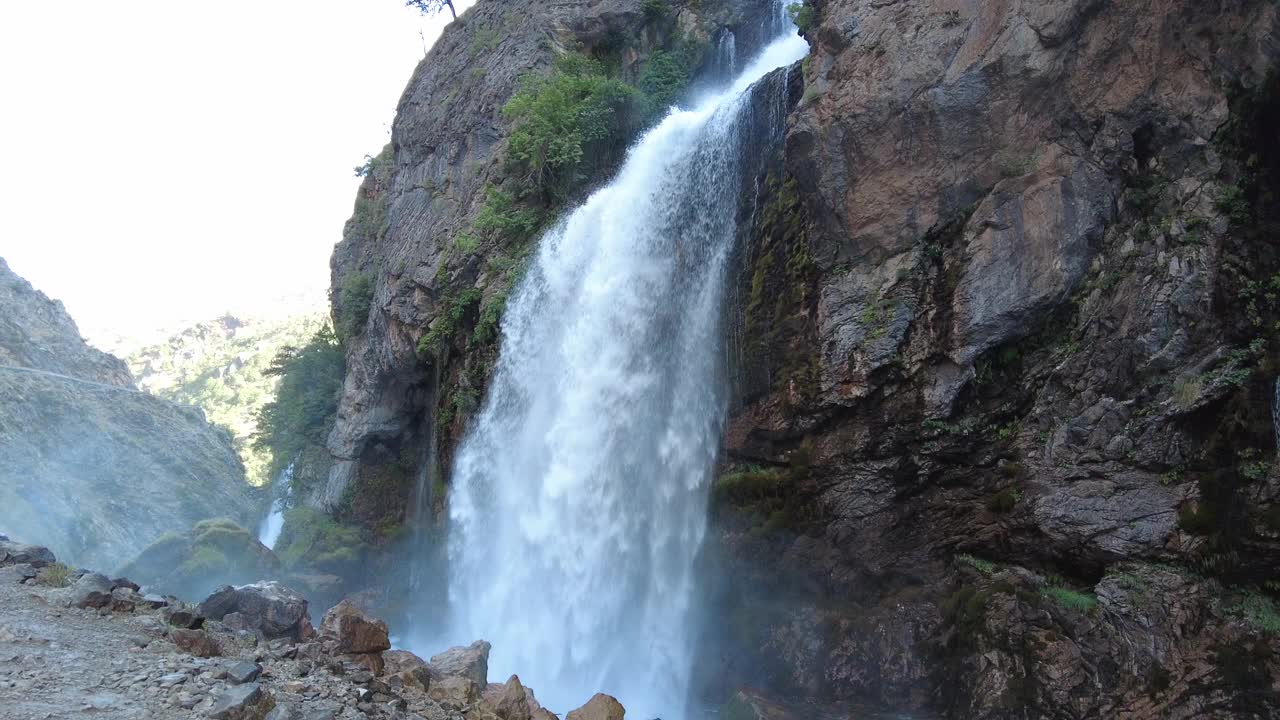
<point>214,552</point>
<point>311,540</point>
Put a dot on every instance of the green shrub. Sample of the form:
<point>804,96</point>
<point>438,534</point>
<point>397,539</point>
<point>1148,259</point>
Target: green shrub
<point>1070,599</point>
<point>654,9</point>
<point>986,567</point>
<point>1197,519</point>
<point>747,486</point>
<point>568,125</point>
<point>1260,611</point>
<point>306,401</point>
<point>502,217</point>
<point>354,300</point>
<point>802,15</point>
<point>665,75</point>
<point>455,308</point>
<point>55,575</point>
<point>1004,501</point>
<point>312,539</point>
<point>490,315</point>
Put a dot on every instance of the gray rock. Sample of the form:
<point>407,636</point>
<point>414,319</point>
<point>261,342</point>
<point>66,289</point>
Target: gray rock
<point>268,607</point>
<point>13,553</point>
<point>285,712</point>
<point>183,617</point>
<point>471,662</point>
<point>242,702</point>
<point>243,672</point>
<point>173,679</point>
<point>92,590</point>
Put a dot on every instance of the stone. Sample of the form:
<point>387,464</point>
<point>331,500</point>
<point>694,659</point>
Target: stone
<point>456,689</point>
<point>406,669</point>
<point>195,642</point>
<point>152,601</point>
<point>284,712</point>
<point>124,599</point>
<point>13,553</point>
<point>122,582</point>
<point>173,679</point>
<point>269,607</point>
<point>242,702</point>
<point>599,707</point>
<point>513,702</point>
<point>183,617</point>
<point>471,662</point>
<point>243,672</point>
<point>92,590</point>
<point>354,631</point>
<point>372,662</point>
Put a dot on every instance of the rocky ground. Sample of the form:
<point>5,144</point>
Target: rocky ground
<point>75,643</point>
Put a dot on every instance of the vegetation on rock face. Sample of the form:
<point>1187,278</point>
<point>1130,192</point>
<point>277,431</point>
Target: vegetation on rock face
<point>306,400</point>
<point>353,305</point>
<point>310,539</point>
<point>224,368</point>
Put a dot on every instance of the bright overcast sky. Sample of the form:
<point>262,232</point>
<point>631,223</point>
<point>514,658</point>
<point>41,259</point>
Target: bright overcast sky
<point>164,160</point>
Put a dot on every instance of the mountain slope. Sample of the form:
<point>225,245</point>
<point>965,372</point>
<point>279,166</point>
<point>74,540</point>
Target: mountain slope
<point>90,465</point>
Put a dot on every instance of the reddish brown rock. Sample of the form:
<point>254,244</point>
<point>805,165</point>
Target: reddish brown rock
<point>354,631</point>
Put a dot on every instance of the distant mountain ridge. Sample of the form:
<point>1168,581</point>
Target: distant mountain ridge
<point>89,465</point>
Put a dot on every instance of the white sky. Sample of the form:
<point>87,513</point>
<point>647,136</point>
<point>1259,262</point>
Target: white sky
<point>165,160</point>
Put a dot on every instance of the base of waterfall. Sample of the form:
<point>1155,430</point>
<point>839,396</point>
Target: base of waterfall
<point>74,642</point>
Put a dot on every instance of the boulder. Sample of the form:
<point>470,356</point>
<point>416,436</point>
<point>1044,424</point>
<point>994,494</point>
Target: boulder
<point>12,553</point>
<point>267,607</point>
<point>243,702</point>
<point>182,617</point>
<point>509,700</point>
<point>195,642</point>
<point>354,631</point>
<point>92,590</point>
<point>457,690</point>
<point>748,705</point>
<point>599,707</point>
<point>124,599</point>
<point>405,669</point>
<point>471,662</point>
<point>243,672</point>
<point>213,553</point>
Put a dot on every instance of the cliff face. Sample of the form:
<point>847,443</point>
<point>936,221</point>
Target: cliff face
<point>43,337</point>
<point>403,251</point>
<point>1018,410</point>
<point>1006,344</point>
<point>89,465</point>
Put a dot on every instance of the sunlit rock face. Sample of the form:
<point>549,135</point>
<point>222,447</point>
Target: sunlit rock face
<point>89,465</point>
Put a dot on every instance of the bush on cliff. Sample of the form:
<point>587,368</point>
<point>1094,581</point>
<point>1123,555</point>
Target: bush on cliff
<point>312,540</point>
<point>306,401</point>
<point>353,305</point>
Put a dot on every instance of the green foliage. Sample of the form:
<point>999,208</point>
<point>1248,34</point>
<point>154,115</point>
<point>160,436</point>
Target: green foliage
<point>1070,599</point>
<point>1004,501</point>
<point>486,330</point>
<point>503,218</point>
<point>802,15</point>
<point>568,125</point>
<point>354,300</point>
<point>747,486</point>
<point>369,220</point>
<point>1260,611</point>
<point>465,243</point>
<point>55,575</point>
<point>435,340</point>
<point>665,75</point>
<point>312,539</point>
<point>222,368</point>
<point>1233,203</point>
<point>1197,519</point>
<point>306,401</point>
<point>986,567</point>
<point>655,9</point>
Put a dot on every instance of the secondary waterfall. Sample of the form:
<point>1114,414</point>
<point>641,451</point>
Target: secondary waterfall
<point>579,494</point>
<point>273,523</point>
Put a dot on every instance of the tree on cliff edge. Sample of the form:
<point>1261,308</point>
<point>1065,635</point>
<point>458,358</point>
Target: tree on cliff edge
<point>431,7</point>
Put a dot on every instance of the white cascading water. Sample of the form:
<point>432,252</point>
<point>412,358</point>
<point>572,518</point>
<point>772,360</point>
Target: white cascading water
<point>579,494</point>
<point>273,523</point>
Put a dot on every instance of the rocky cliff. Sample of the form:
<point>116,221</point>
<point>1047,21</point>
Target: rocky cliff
<point>1006,343</point>
<point>1013,419</point>
<point>89,465</point>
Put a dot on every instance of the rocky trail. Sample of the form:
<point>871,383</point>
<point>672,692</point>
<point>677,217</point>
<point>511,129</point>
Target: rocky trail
<point>77,644</point>
<point>60,376</point>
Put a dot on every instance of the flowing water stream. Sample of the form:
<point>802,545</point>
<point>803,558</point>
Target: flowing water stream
<point>579,494</point>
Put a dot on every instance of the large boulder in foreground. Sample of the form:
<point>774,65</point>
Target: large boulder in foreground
<point>15,553</point>
<point>267,607</point>
<point>212,554</point>
<point>471,662</point>
<point>599,707</point>
<point>353,631</point>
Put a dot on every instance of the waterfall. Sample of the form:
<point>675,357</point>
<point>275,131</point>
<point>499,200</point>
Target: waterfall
<point>273,523</point>
<point>726,54</point>
<point>579,493</point>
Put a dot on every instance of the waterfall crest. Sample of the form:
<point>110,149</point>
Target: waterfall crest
<point>579,494</point>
